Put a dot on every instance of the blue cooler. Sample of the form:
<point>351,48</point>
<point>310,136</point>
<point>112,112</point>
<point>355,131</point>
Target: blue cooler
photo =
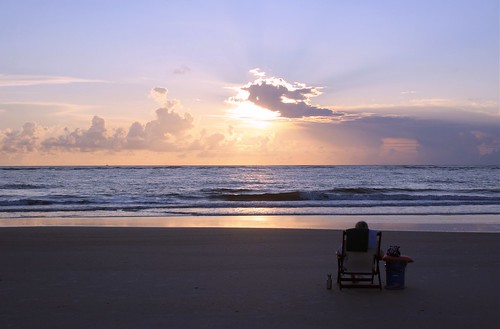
<point>395,275</point>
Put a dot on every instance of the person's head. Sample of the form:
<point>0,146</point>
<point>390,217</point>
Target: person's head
<point>362,224</point>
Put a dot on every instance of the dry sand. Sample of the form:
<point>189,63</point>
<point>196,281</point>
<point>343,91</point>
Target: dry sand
<point>77,277</point>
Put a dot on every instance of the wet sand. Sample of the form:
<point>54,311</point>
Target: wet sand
<point>102,277</point>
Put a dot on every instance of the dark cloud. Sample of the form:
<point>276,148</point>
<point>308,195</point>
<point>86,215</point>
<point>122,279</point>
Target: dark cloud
<point>290,100</point>
<point>289,103</point>
<point>437,142</point>
<point>160,90</point>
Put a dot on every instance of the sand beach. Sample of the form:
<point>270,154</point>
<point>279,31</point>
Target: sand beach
<point>117,277</point>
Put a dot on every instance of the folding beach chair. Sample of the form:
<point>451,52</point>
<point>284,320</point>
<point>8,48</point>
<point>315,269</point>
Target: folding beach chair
<point>359,264</point>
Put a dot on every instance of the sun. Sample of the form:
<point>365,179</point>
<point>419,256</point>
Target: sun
<point>253,115</point>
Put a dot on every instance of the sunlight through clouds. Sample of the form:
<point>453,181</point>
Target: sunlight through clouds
<point>287,100</point>
<point>253,115</point>
<point>250,82</point>
<point>250,132</point>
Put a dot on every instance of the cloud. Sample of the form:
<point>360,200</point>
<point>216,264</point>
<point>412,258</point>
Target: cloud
<point>405,140</point>
<point>182,70</point>
<point>16,80</point>
<point>170,131</point>
<point>388,135</point>
<point>159,95</point>
<point>86,140</point>
<point>24,140</point>
<point>167,132</point>
<point>290,100</point>
<point>164,133</point>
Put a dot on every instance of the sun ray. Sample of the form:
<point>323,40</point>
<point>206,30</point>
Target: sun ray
<point>253,115</point>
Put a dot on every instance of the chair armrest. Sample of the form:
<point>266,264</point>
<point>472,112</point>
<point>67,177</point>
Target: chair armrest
<point>402,258</point>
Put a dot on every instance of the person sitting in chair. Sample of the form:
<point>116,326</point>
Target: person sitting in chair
<point>358,256</point>
<point>372,235</point>
<point>372,238</point>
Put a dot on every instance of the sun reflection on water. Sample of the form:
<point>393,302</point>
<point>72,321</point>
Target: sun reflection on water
<point>459,223</point>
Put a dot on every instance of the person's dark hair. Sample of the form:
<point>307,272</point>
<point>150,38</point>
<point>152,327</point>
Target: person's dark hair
<point>362,224</point>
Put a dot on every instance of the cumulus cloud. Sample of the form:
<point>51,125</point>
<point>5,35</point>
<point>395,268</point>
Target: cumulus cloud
<point>166,132</point>
<point>94,138</point>
<point>290,100</point>
<point>23,140</point>
<point>159,95</point>
<point>162,134</point>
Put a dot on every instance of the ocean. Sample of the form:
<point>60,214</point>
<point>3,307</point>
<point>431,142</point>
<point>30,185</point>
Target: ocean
<point>163,191</point>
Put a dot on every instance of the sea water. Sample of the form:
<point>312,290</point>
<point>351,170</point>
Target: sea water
<point>163,191</point>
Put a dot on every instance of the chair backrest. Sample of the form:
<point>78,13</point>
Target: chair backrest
<point>360,256</point>
<point>356,239</point>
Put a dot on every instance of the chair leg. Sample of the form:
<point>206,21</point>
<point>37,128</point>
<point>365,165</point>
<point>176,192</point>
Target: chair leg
<point>378,273</point>
<point>339,264</point>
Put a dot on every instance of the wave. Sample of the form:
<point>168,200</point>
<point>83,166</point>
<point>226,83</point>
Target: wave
<point>21,186</point>
<point>160,190</point>
<point>212,197</point>
<point>287,196</point>
<point>40,202</point>
<point>360,194</point>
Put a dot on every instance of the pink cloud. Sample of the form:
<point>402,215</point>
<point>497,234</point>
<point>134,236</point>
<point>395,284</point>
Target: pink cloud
<point>24,140</point>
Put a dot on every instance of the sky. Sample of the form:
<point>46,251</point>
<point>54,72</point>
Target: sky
<point>108,82</point>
